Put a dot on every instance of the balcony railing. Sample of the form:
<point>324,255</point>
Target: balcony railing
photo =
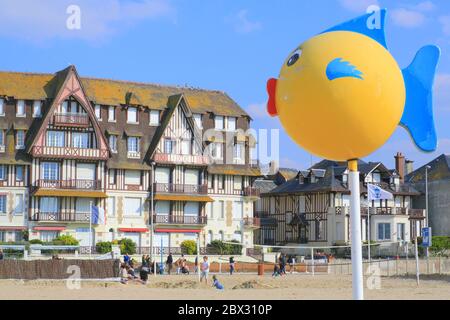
<point>252,222</point>
<point>181,159</point>
<point>134,155</point>
<point>71,119</point>
<point>185,220</point>
<point>60,217</point>
<point>252,192</point>
<point>181,188</point>
<point>69,153</point>
<point>69,184</point>
<point>414,213</point>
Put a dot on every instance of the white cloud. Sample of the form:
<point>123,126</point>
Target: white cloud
<point>442,92</point>
<point>242,24</point>
<point>425,6</point>
<point>257,110</point>
<point>445,23</point>
<point>407,18</point>
<point>46,19</point>
<point>358,5</point>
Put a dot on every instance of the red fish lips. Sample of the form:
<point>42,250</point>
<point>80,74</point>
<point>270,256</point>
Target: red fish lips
<point>271,90</point>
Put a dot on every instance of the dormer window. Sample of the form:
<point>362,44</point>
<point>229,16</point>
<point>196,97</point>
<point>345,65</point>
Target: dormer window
<point>20,108</point>
<point>154,118</point>
<point>98,112</point>
<point>345,178</point>
<point>231,123</point>
<point>132,115</point>
<point>111,114</point>
<point>37,109</point>
<point>376,177</point>
<point>219,123</point>
<point>20,139</point>
<point>198,120</point>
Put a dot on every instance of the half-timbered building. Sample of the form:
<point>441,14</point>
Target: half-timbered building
<point>313,209</point>
<point>69,143</point>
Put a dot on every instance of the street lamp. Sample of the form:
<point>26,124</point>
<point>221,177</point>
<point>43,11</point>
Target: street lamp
<point>152,213</point>
<point>426,205</point>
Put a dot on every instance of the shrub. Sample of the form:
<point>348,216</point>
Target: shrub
<point>127,246</point>
<point>103,247</point>
<point>36,241</point>
<point>189,247</point>
<point>440,245</point>
<point>65,240</point>
<point>219,247</point>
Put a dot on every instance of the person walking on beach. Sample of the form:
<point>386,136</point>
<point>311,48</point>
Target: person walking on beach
<point>169,263</point>
<point>1,254</point>
<point>282,264</point>
<point>232,266</point>
<point>291,262</point>
<point>204,269</point>
<point>196,265</point>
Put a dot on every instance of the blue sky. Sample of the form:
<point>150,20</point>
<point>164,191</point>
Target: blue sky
<point>234,46</point>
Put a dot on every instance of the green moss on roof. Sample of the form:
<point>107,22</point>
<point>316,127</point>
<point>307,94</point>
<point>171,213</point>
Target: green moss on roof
<point>38,86</point>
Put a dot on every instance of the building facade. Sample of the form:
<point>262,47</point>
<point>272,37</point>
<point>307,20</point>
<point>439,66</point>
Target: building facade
<point>313,209</point>
<point>69,143</point>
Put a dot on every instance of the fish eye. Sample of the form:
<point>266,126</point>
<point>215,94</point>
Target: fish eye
<point>294,58</point>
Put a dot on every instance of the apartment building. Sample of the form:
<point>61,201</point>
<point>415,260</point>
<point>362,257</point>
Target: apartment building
<point>67,143</point>
<point>313,209</point>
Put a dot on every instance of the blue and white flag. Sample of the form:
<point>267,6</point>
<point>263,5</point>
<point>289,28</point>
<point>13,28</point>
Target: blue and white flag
<point>98,215</point>
<point>376,193</point>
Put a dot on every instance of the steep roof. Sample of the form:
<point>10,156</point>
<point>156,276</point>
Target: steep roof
<point>41,86</point>
<point>440,170</point>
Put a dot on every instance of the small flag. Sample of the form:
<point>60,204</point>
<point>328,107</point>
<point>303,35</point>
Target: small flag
<point>376,193</point>
<point>98,215</point>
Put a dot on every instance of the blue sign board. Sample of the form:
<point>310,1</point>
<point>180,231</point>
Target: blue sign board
<point>426,237</point>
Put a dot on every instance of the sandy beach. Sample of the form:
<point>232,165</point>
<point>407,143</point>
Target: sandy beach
<point>237,287</point>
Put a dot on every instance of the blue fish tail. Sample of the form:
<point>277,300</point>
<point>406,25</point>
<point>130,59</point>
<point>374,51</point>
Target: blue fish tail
<point>418,116</point>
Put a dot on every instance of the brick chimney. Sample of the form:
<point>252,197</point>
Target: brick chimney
<point>400,166</point>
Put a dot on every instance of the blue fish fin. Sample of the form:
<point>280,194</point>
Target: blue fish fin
<point>418,116</point>
<point>370,24</point>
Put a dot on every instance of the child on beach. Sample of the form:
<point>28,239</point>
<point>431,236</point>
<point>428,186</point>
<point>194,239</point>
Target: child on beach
<point>124,276</point>
<point>217,284</point>
<point>204,268</point>
<point>276,270</point>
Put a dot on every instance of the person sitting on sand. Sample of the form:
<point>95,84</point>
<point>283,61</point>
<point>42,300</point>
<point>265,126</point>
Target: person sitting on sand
<point>126,258</point>
<point>143,274</point>
<point>184,267</point>
<point>1,254</point>
<point>131,271</point>
<point>217,284</point>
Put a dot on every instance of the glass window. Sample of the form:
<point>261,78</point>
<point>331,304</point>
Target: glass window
<point>80,140</point>
<point>19,204</point>
<point>37,106</point>
<point>162,208</point>
<point>237,236</point>
<point>154,118</point>
<point>238,212</point>
<point>132,177</point>
<point>2,172</point>
<point>2,138</point>
<point>400,231</point>
<point>48,205</point>
<point>237,183</point>
<point>219,123</point>
<point>50,171</point>
<point>220,182</point>
<point>133,144</point>
<point>132,115</point>
<point>384,231</point>
<point>111,206</point>
<point>198,120</point>
<point>169,146</point>
<point>216,150</point>
<point>98,111</point>
<point>65,107</point>
<point>239,151</point>
<point>19,173</point>
<point>185,147</point>
<point>55,139</point>
<point>73,107</point>
<point>231,123</point>
<point>112,114</point>
<point>112,176</point>
<point>20,139</point>
<point>20,110</point>
<point>376,176</point>
<point>2,107</point>
<point>113,143</point>
<point>132,206</point>
<point>47,236</point>
<point>2,204</point>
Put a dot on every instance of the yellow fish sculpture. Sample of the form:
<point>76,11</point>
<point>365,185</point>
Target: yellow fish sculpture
<point>341,94</point>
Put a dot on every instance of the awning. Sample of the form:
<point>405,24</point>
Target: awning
<point>235,170</point>
<point>177,231</point>
<point>12,228</point>
<point>182,197</point>
<point>111,132</point>
<point>138,230</point>
<point>20,126</point>
<point>49,228</point>
<point>130,133</point>
<point>70,193</point>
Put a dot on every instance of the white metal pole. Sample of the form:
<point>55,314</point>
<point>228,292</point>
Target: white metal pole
<point>90,230</point>
<point>368,230</point>
<point>426,215</point>
<point>417,263</point>
<point>198,257</point>
<point>312,261</point>
<point>152,213</point>
<point>355,221</point>
<point>407,257</point>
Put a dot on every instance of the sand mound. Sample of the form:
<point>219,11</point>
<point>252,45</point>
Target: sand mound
<point>175,285</point>
<point>252,285</point>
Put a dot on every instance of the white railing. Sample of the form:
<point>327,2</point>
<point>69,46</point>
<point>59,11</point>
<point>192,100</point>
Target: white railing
<point>181,159</point>
<point>134,155</point>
